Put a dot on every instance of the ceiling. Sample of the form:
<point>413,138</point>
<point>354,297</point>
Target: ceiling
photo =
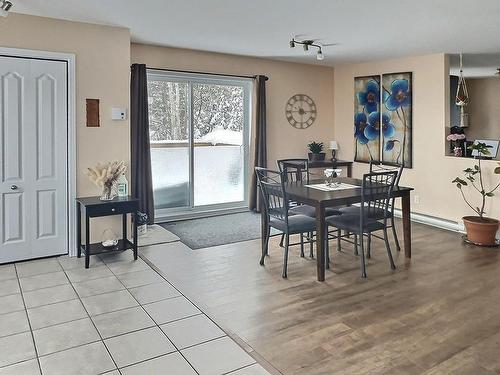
<point>364,30</point>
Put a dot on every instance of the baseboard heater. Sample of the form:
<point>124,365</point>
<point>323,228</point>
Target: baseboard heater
<point>433,221</point>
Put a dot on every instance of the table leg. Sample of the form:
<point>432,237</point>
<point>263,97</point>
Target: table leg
<point>349,170</point>
<point>78,230</point>
<point>406,223</point>
<point>320,237</point>
<point>135,234</point>
<point>124,227</point>
<point>87,240</point>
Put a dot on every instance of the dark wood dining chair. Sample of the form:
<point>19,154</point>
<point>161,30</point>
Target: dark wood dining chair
<point>379,214</point>
<point>297,170</point>
<point>276,205</point>
<point>376,194</point>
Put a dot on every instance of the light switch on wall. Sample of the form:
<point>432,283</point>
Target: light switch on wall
<point>118,113</point>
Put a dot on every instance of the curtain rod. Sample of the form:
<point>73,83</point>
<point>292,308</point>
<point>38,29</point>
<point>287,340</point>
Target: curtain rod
<point>207,73</point>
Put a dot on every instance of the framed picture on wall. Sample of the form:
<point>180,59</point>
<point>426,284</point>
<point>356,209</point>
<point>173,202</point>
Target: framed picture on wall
<point>396,119</point>
<point>492,145</point>
<point>366,118</point>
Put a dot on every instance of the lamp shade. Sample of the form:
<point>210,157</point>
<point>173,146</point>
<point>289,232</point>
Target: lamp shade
<point>334,145</point>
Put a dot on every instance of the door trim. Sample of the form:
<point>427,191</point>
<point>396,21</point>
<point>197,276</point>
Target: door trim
<point>70,59</point>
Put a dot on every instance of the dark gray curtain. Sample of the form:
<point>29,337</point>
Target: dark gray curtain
<point>260,158</point>
<point>142,183</point>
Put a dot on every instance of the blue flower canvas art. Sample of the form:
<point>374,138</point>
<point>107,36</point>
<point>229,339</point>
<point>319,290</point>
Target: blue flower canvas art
<point>397,119</point>
<point>367,120</point>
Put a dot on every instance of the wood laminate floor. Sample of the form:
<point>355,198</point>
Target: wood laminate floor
<point>436,314</point>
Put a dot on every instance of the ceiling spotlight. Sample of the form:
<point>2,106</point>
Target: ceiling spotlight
<point>319,55</point>
<point>292,43</point>
<point>5,5</point>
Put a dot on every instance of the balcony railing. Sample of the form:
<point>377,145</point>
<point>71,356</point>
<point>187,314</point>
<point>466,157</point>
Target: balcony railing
<point>218,173</point>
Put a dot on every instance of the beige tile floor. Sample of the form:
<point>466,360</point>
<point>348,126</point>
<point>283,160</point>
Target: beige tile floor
<point>118,317</point>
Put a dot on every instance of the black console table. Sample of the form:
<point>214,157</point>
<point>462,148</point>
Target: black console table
<point>329,164</point>
<point>94,207</point>
<point>332,164</point>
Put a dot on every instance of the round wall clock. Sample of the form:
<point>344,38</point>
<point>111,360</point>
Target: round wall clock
<point>300,111</point>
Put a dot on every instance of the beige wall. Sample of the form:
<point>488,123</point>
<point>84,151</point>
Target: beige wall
<point>103,56</point>
<point>285,80</point>
<point>483,108</point>
<point>432,170</point>
<point>102,71</point>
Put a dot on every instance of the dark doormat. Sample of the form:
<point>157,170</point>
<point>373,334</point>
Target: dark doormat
<point>216,230</point>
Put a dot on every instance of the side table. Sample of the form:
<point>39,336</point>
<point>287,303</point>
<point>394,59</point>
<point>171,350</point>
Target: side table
<point>94,207</point>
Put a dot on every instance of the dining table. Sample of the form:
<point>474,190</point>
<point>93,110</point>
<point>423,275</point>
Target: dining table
<point>312,194</point>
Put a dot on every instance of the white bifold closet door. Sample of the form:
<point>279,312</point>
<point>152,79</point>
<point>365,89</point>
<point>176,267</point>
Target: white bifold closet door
<point>33,158</point>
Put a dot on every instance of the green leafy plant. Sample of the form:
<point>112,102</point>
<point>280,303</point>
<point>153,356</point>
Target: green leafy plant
<point>474,177</point>
<point>315,147</point>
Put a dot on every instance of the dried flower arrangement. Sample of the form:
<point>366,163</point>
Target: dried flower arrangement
<point>105,176</point>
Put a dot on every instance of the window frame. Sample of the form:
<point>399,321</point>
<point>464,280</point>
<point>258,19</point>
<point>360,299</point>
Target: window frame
<point>192,211</point>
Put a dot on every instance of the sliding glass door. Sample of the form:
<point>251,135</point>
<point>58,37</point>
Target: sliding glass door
<point>199,129</point>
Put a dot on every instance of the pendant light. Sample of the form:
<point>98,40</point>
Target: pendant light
<point>462,96</point>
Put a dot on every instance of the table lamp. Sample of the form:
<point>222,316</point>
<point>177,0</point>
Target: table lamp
<point>334,146</point>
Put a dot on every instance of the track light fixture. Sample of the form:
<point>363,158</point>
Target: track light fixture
<point>306,44</point>
<point>5,6</point>
<point>319,55</point>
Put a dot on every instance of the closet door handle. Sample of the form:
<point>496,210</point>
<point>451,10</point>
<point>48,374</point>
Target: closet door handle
<point>13,187</point>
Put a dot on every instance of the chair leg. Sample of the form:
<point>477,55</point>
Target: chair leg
<point>339,240</point>
<point>398,248</point>
<point>368,246</point>
<point>311,252</point>
<point>285,257</point>
<point>389,253</point>
<point>282,239</point>
<point>302,245</point>
<point>363,263</point>
<point>266,250</point>
<point>356,245</point>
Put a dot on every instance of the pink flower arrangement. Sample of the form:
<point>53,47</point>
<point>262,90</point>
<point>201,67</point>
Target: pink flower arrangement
<point>455,137</point>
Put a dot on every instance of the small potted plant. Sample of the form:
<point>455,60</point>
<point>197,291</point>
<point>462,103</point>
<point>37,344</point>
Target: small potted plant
<point>316,151</point>
<point>456,140</point>
<point>480,230</point>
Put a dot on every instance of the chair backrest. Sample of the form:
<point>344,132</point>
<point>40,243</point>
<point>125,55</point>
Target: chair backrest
<point>380,167</point>
<point>294,170</point>
<point>376,193</point>
<point>273,193</point>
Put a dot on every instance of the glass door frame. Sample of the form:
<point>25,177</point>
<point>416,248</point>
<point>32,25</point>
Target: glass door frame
<point>191,211</point>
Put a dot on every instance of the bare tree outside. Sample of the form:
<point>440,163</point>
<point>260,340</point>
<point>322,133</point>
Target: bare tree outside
<point>214,107</point>
<point>168,110</point>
